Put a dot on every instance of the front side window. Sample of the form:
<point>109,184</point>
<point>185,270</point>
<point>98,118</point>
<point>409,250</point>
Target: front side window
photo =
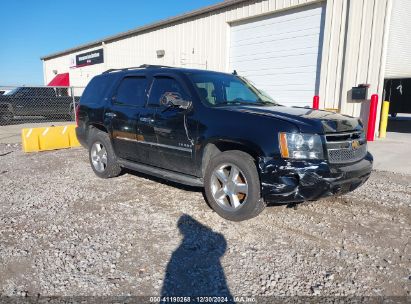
<point>207,91</point>
<point>132,92</point>
<point>163,88</point>
<point>222,89</point>
<point>43,92</point>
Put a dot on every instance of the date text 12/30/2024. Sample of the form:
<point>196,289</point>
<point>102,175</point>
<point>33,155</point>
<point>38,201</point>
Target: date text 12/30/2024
<point>204,299</point>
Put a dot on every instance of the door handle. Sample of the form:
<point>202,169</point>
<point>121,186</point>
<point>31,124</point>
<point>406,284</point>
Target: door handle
<point>110,114</point>
<point>148,120</point>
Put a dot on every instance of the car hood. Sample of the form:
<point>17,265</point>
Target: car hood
<point>306,119</point>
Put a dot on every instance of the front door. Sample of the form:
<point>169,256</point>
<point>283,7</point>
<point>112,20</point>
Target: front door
<point>172,126</point>
<point>124,113</point>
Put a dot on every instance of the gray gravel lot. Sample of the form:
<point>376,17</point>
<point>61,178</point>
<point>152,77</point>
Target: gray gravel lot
<point>63,231</point>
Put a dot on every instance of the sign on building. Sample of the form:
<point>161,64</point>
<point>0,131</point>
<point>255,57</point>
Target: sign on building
<point>90,58</point>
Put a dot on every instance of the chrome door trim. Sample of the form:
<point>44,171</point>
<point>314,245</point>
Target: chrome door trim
<point>155,144</point>
<point>126,139</point>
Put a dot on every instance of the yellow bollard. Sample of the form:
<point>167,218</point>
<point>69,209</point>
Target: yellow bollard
<point>384,119</point>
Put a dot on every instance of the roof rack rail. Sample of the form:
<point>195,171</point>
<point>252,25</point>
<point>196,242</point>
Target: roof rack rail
<point>143,66</point>
<point>148,66</point>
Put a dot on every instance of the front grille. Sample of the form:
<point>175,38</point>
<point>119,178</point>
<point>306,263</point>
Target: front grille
<point>347,155</point>
<point>346,147</point>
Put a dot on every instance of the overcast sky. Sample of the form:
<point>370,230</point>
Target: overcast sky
<point>30,29</point>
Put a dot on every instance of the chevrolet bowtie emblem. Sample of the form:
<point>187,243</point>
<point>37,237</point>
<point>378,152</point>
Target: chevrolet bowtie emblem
<point>355,144</point>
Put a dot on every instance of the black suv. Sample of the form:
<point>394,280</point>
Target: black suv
<point>37,101</point>
<point>217,131</point>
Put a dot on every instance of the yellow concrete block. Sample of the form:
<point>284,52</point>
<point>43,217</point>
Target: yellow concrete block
<point>49,138</point>
<point>53,138</point>
<point>30,139</point>
<point>72,136</point>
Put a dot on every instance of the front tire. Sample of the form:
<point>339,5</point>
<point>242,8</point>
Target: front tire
<point>232,186</point>
<point>101,155</point>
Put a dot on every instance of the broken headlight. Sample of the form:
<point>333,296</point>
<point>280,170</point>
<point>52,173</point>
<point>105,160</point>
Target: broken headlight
<point>301,146</point>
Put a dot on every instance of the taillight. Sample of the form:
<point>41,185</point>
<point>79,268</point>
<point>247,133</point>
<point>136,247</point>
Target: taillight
<point>77,112</point>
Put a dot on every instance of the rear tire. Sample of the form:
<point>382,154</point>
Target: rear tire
<point>101,155</point>
<point>232,186</point>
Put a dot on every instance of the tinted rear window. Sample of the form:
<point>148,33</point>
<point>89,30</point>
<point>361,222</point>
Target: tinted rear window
<point>132,91</point>
<point>96,90</point>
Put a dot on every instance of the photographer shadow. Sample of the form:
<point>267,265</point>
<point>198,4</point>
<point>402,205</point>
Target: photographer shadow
<point>194,268</point>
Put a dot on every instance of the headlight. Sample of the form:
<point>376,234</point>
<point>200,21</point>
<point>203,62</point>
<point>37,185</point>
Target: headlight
<point>301,146</point>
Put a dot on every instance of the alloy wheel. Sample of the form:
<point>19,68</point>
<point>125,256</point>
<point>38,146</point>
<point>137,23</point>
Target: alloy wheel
<point>99,156</point>
<point>229,187</point>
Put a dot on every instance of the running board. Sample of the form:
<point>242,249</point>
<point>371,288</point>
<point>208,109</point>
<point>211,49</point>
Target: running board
<point>162,173</point>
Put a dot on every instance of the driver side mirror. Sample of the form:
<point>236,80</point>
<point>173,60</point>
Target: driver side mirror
<point>175,100</point>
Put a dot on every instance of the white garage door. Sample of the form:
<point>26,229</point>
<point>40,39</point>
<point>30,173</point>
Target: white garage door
<point>399,43</point>
<point>281,53</point>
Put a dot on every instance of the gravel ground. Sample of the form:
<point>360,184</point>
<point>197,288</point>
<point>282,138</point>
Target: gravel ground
<point>63,231</point>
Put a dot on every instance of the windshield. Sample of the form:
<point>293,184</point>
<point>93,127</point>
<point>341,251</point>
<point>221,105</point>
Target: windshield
<point>12,92</point>
<point>217,89</point>
<point>19,91</point>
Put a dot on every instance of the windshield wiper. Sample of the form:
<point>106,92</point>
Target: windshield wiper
<point>264,102</point>
<point>247,103</point>
<point>228,103</point>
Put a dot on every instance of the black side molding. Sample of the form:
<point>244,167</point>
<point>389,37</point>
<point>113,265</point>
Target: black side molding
<point>162,173</point>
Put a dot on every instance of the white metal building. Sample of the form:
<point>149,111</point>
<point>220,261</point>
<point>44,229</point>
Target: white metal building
<point>292,49</point>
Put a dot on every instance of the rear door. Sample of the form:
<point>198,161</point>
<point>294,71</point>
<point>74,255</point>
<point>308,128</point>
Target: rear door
<point>146,136</point>
<point>128,100</point>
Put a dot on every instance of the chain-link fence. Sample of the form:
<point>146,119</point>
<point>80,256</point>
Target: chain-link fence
<point>23,104</point>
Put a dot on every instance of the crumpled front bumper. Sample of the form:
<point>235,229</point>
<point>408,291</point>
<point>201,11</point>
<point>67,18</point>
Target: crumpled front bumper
<point>289,181</point>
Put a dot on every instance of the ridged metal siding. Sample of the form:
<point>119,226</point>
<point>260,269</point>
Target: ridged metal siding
<point>355,39</point>
<point>354,52</point>
<point>200,42</point>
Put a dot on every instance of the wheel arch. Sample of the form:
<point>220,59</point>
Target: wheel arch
<point>215,147</point>
<point>96,126</point>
